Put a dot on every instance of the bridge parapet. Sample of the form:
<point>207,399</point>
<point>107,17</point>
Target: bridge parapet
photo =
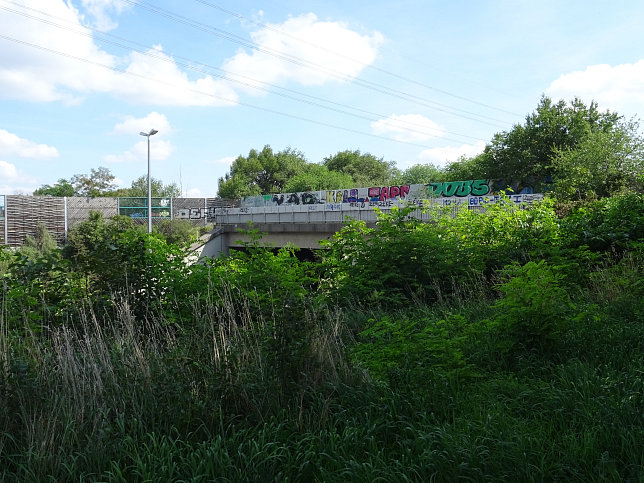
<point>361,210</point>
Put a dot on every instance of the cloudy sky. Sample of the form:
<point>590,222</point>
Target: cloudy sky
<point>412,81</point>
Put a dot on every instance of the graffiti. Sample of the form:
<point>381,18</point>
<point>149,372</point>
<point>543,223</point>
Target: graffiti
<point>388,192</point>
<point>310,199</point>
<point>304,198</point>
<point>256,201</point>
<point>408,193</point>
<point>461,189</point>
<point>194,213</point>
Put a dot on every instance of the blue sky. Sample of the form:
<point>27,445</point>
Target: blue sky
<point>410,81</point>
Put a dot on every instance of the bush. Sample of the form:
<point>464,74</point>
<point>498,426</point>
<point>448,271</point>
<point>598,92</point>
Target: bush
<point>534,311</point>
<point>179,232</point>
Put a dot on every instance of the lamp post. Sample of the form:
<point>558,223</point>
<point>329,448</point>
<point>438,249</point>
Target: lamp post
<point>147,135</point>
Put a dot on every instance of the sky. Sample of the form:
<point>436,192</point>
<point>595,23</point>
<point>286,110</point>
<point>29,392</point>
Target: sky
<point>410,81</point>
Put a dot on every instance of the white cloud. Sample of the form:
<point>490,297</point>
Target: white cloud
<point>39,74</point>
<point>333,47</point>
<point>12,145</point>
<point>619,88</point>
<point>443,156</point>
<point>16,182</point>
<point>160,150</point>
<point>155,79</point>
<point>133,125</point>
<point>100,10</point>
<point>408,128</point>
<point>194,193</point>
<point>34,74</point>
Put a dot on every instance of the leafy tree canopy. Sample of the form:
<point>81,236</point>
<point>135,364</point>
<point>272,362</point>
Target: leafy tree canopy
<point>318,177</point>
<point>365,169</point>
<point>603,164</point>
<point>61,188</point>
<point>523,155</point>
<point>421,174</point>
<point>261,172</point>
<point>139,188</point>
<point>100,182</point>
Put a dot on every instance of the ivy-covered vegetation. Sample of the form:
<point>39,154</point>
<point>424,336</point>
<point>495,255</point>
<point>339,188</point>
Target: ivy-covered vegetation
<point>498,346</point>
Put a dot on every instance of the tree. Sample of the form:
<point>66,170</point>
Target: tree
<point>61,188</point>
<point>466,168</point>
<point>603,164</point>
<point>139,188</point>
<point>318,177</point>
<point>523,156</point>
<point>421,174</point>
<point>100,182</point>
<point>261,172</point>
<point>365,169</point>
<point>41,243</point>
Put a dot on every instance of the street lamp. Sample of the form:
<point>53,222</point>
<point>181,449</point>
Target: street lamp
<point>147,135</point>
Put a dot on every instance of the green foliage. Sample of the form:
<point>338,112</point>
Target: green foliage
<point>503,233</point>
<point>421,174</point>
<point>261,172</point>
<point>100,182</point>
<point>179,232</point>
<point>405,259</point>
<point>603,164</point>
<point>608,225</point>
<point>466,168</point>
<point>114,257</point>
<point>364,168</point>
<point>139,189</point>
<point>406,353</point>
<point>41,243</point>
<point>534,311</point>
<point>400,259</point>
<point>524,156</point>
<point>119,363</point>
<point>61,188</point>
<point>318,177</point>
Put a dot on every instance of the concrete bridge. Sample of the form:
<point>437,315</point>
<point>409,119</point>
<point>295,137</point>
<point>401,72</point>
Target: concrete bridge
<point>305,225</point>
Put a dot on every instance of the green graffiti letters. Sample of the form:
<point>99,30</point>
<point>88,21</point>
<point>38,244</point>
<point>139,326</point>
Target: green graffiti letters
<point>479,187</point>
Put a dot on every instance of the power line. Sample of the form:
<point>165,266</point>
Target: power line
<point>207,94</point>
<point>387,90</point>
<point>340,54</point>
<point>252,83</point>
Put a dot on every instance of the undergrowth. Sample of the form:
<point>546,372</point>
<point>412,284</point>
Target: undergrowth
<point>259,367</point>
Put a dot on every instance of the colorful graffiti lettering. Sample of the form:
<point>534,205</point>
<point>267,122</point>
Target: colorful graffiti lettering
<point>479,187</point>
<point>449,189</point>
<point>388,192</point>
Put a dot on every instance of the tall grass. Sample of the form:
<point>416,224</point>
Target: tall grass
<point>242,393</point>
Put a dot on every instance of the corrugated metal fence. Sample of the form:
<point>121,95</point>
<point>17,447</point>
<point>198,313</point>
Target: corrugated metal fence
<point>20,215</point>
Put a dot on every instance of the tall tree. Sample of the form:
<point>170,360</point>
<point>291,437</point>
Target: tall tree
<point>139,188</point>
<point>523,155</point>
<point>61,188</point>
<point>318,177</point>
<point>262,172</point>
<point>603,164</point>
<point>365,169</point>
<point>100,182</point>
<point>420,174</point>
